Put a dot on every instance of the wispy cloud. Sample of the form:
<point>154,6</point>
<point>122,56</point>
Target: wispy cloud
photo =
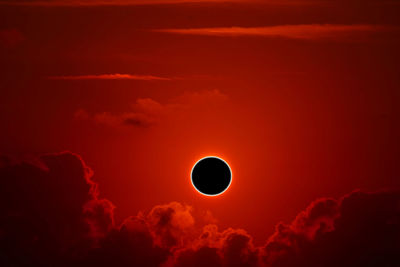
<point>77,3</point>
<point>147,112</point>
<point>115,76</point>
<point>306,31</point>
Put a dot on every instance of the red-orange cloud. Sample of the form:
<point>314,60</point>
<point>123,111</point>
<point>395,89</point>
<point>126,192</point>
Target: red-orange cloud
<point>77,3</point>
<point>115,76</point>
<point>304,32</point>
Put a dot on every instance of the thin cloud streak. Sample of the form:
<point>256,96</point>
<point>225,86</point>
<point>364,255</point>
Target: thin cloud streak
<point>115,76</point>
<point>88,3</point>
<point>77,3</point>
<point>305,31</point>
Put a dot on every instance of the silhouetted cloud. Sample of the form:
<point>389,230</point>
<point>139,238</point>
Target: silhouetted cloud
<point>232,247</point>
<point>360,229</point>
<point>42,199</point>
<point>52,215</point>
<point>130,244</point>
<point>170,224</point>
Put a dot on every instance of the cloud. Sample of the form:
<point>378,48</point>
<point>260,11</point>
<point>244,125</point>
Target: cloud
<point>99,216</point>
<point>115,76</point>
<point>41,202</point>
<point>77,3</point>
<point>232,247</point>
<point>147,112</point>
<point>134,119</point>
<point>52,215</point>
<point>303,32</point>
<point>170,224</point>
<point>88,3</point>
<point>360,229</point>
<point>130,244</point>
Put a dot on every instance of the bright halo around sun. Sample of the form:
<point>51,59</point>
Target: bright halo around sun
<point>211,176</point>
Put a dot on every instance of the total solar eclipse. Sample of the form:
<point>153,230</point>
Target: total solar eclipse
<point>211,176</point>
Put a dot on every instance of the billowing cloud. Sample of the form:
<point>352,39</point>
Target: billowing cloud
<point>360,229</point>
<point>232,247</point>
<point>170,224</point>
<point>130,244</point>
<point>115,76</point>
<point>52,215</point>
<point>304,32</point>
<point>42,200</point>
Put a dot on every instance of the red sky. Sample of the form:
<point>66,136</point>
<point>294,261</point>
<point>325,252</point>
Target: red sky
<point>301,98</point>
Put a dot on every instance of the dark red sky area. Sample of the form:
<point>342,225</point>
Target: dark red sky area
<point>301,98</point>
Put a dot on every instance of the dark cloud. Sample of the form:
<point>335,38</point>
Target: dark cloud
<point>52,215</point>
<point>99,215</point>
<point>203,256</point>
<point>138,120</point>
<point>145,239</point>
<point>170,224</point>
<point>361,229</point>
<point>41,208</point>
<point>131,244</point>
<point>232,247</point>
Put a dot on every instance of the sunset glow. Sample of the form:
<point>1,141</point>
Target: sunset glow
<point>106,107</point>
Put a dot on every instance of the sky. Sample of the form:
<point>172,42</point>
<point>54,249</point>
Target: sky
<point>106,105</point>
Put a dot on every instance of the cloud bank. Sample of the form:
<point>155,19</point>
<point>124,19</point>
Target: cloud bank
<point>52,214</point>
